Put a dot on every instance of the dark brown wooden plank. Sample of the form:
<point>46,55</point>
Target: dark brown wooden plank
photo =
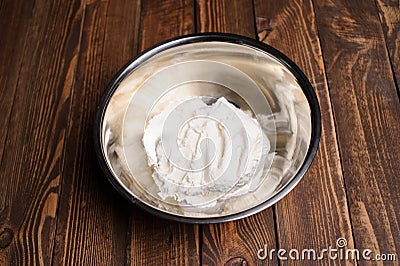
<point>154,241</point>
<point>32,159</point>
<point>93,219</point>
<point>315,214</point>
<point>226,16</point>
<point>238,242</point>
<point>15,17</point>
<point>234,243</point>
<point>367,116</point>
<point>162,20</point>
<point>389,12</point>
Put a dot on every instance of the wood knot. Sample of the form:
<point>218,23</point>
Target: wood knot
<point>236,261</point>
<point>6,237</point>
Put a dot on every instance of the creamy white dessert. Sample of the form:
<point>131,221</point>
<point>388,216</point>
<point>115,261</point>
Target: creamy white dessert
<point>202,152</point>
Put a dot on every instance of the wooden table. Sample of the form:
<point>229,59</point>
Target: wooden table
<point>56,206</point>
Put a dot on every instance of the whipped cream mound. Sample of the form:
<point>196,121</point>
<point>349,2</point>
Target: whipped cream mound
<point>202,152</point>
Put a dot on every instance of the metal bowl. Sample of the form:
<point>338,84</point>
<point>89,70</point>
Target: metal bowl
<point>249,74</point>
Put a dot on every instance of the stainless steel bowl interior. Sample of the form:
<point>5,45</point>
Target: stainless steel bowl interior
<point>249,77</point>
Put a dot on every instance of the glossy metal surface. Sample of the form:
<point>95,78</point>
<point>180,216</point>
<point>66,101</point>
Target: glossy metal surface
<point>251,75</point>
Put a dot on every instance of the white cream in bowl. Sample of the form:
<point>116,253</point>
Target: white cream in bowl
<point>210,162</point>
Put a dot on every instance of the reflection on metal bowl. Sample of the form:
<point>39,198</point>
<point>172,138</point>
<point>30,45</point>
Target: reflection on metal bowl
<point>250,75</point>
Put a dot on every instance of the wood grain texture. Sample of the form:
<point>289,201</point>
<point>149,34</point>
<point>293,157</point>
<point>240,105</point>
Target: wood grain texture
<point>31,165</point>
<point>13,35</point>
<point>165,19</point>
<point>226,16</point>
<point>367,117</point>
<point>154,241</point>
<point>93,219</point>
<point>238,242</point>
<point>57,57</point>
<point>315,214</point>
<point>389,12</point>
<point>234,243</point>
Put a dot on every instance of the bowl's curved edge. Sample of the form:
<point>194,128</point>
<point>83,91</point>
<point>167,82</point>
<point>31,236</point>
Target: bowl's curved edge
<point>207,37</point>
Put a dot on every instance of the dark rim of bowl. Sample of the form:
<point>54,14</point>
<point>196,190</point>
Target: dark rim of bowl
<point>210,37</point>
